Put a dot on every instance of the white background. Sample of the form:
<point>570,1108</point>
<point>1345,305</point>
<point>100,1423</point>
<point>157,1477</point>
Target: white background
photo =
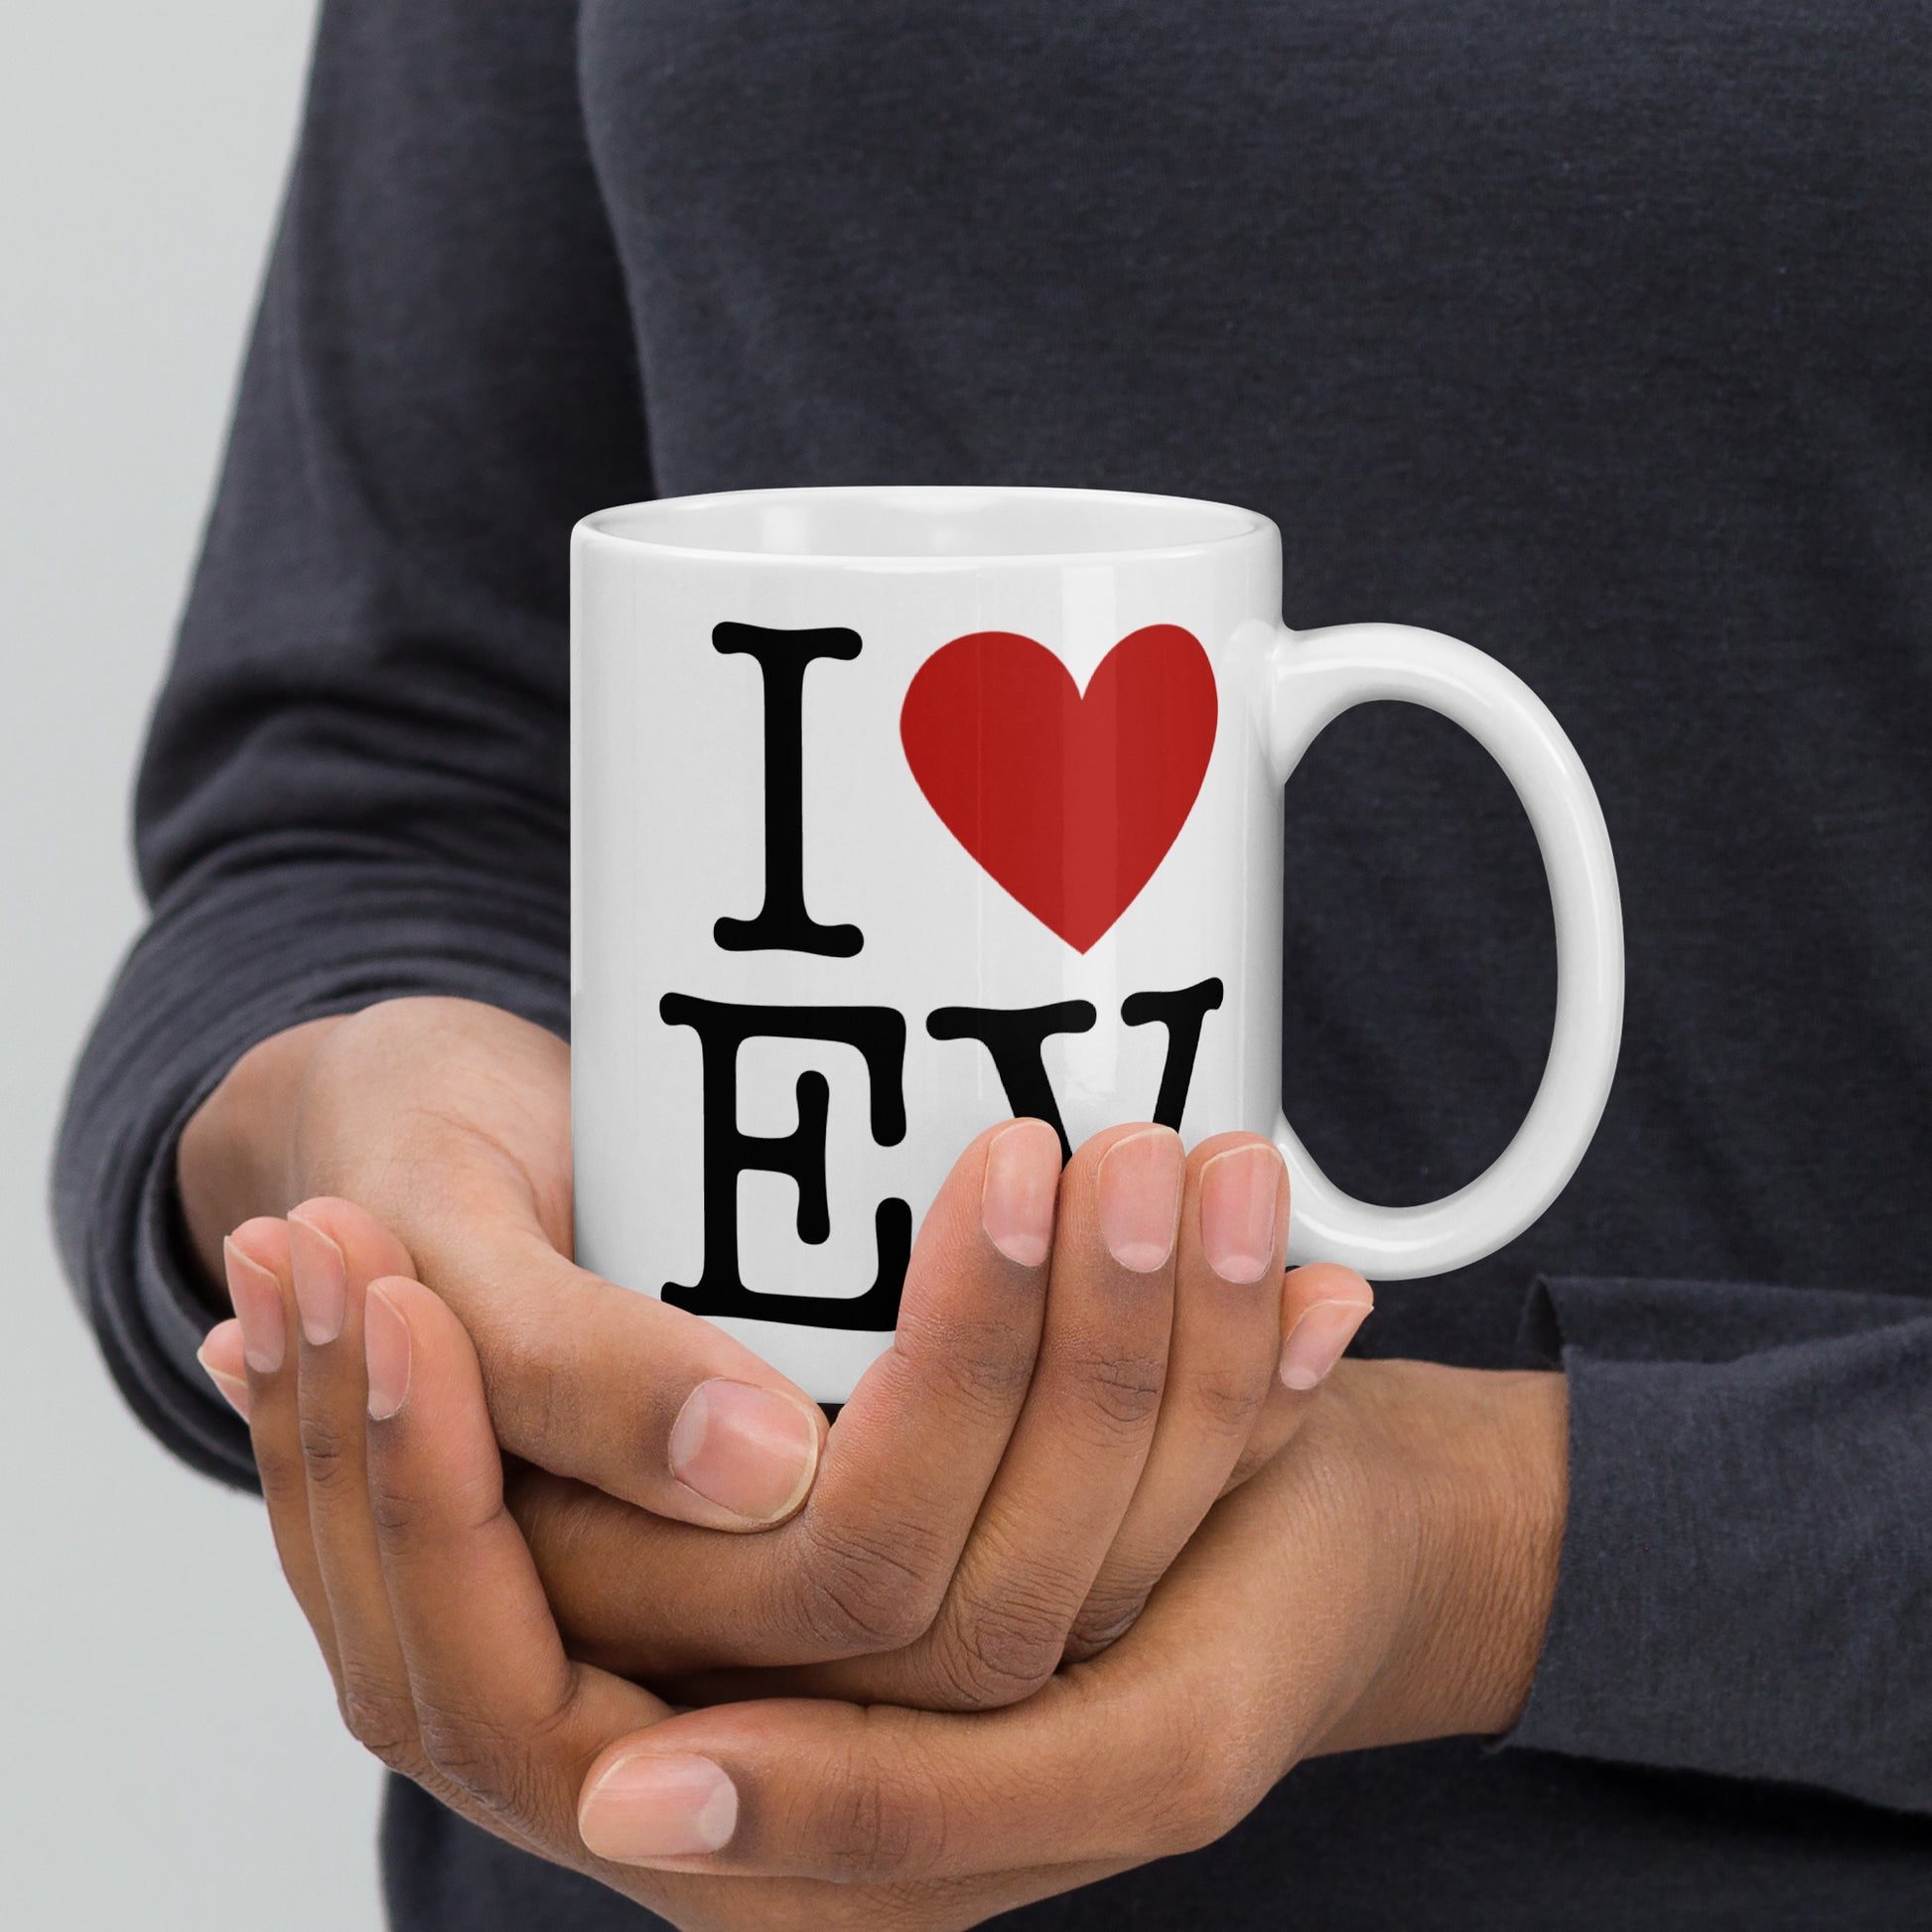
<point>170,1754</point>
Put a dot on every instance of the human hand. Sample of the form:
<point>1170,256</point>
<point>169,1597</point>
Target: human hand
<point>1010,1479</point>
<point>1385,1580</point>
<point>449,1123</point>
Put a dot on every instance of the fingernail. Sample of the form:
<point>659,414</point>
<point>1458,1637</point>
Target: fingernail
<point>747,1449</point>
<point>1316,1344</point>
<point>647,1807</point>
<point>1240,1201</point>
<point>257,1299</point>
<point>385,1348</point>
<point>225,1342</point>
<point>321,1281</point>
<point>1139,1188</point>
<point>1023,1176</point>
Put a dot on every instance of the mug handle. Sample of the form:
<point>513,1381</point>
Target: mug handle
<point>1311,677</point>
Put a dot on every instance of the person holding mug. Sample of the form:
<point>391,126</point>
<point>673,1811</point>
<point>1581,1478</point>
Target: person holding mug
<point>1591,1588</point>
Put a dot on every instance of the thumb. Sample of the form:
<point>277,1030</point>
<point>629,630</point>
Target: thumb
<point>649,1403</point>
<point>584,1378</point>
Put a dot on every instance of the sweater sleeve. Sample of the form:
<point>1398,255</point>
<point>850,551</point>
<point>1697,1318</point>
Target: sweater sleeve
<point>355,783</point>
<point>1746,1573</point>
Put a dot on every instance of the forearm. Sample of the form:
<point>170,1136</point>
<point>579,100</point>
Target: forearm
<point>1464,1473</point>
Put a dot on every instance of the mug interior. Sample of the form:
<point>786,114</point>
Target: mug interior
<point>912,522</point>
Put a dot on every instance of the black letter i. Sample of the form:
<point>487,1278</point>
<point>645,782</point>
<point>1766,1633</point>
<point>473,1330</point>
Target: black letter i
<point>782,923</point>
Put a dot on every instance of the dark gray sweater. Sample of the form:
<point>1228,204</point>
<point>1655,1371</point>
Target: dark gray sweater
<point>1597,334</point>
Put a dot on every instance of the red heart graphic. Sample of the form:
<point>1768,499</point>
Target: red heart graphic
<point>1071,802</point>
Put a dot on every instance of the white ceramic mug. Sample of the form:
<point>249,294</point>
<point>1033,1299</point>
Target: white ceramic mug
<point>897,811</point>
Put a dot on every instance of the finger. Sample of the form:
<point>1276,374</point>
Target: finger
<point>1338,1301</point>
<point>1322,1307</point>
<point>1075,1461</point>
<point>1081,1443</point>
<point>1221,1365</point>
<point>616,1388</point>
<point>1160,1746</point>
<point>335,1251</point>
<point>866,1564</point>
<point>226,1365</point>
<point>505,1718</point>
<point>257,1263</point>
<point>915,1450</point>
<point>885,1796</point>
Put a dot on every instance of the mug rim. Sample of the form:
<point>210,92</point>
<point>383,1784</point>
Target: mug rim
<point>627,524</point>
